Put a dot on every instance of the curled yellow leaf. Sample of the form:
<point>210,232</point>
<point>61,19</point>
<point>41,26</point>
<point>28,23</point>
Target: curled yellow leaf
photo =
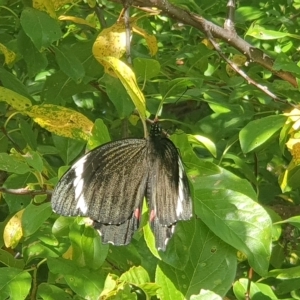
<point>128,79</point>
<point>150,39</point>
<point>112,42</point>
<point>76,20</point>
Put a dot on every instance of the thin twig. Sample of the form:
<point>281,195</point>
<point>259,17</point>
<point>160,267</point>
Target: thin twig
<point>24,191</point>
<point>100,15</point>
<point>229,22</point>
<point>261,87</point>
<point>230,37</point>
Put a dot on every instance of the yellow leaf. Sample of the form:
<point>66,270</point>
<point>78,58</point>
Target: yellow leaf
<point>14,99</point>
<point>296,151</point>
<point>294,117</point>
<point>75,20</point>
<point>284,178</point>
<point>61,121</point>
<point>68,254</point>
<point>150,39</point>
<point>237,59</point>
<point>45,5</point>
<point>13,230</point>
<point>294,147</point>
<point>59,3</point>
<point>128,79</point>
<point>110,42</point>
<point>93,20</point>
<point>9,55</point>
<point>207,43</point>
<point>91,3</point>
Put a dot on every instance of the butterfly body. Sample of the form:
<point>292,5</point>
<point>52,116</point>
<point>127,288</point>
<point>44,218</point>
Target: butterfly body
<point>109,183</point>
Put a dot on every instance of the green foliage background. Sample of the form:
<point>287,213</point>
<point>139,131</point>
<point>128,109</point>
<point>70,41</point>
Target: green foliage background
<point>239,147</point>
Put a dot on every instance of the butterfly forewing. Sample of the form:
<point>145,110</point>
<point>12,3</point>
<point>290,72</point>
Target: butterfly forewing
<point>106,184</point>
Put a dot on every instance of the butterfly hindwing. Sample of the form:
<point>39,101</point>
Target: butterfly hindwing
<point>118,234</point>
<point>168,191</point>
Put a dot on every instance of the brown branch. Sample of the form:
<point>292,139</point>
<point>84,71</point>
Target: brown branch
<point>230,37</point>
<point>24,191</point>
<point>264,89</point>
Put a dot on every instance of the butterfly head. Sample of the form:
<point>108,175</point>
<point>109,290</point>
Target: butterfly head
<point>155,130</point>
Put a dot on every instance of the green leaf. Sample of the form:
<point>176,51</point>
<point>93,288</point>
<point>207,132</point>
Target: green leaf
<point>257,290</point>
<point>295,221</point>
<point>42,244</point>
<point>14,283</point>
<point>126,256</point>
<point>177,252</point>
<point>207,255</point>
<point>135,275</point>
<point>290,273</point>
<point>34,216</point>
<point>8,260</point>
<point>177,87</point>
<point>85,282</point>
<point>88,249</point>
<point>209,176</point>
<point>118,96</point>
<point>125,292</point>
<point>3,143</point>
<point>40,27</point>
<point>284,63</point>
<point>12,83</point>
<point>262,33</point>
<point>257,132</point>
<point>239,221</point>
<point>287,286</point>
<point>34,160</point>
<point>28,134</point>
<point>247,13</point>
<point>139,277</point>
<point>69,149</point>
<point>15,181</point>
<point>206,295</point>
<point>69,63</point>
<point>48,291</point>
<point>12,164</point>
<point>207,143</point>
<point>61,226</point>
<point>65,88</point>
<point>100,135</point>
<point>34,59</point>
<point>240,164</point>
<point>146,68</point>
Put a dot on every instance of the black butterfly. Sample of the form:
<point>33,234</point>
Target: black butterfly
<point>108,185</point>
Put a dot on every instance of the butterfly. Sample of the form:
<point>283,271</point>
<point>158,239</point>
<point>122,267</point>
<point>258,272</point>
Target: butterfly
<point>109,183</point>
